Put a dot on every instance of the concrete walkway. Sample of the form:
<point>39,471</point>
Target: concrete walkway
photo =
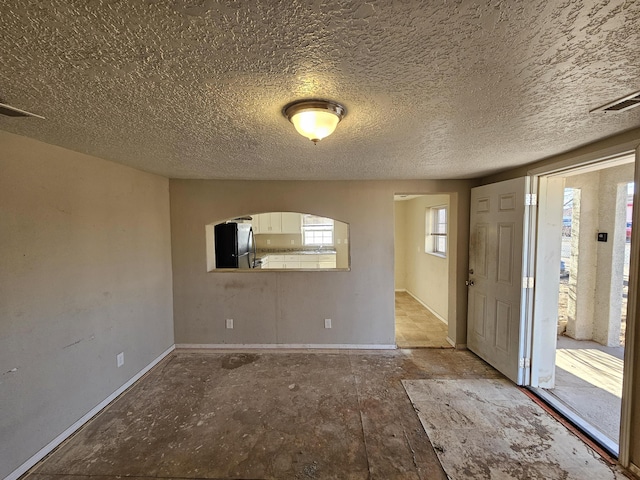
<point>589,381</point>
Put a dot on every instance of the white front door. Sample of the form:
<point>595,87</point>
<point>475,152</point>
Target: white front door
<point>497,312</point>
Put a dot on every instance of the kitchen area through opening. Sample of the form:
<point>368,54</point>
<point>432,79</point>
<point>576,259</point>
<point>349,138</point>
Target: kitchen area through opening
<point>278,241</point>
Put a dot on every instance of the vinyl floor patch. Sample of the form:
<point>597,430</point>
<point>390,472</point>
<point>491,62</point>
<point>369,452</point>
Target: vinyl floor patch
<point>489,429</point>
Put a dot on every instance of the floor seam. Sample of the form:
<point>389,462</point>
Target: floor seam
<point>364,437</point>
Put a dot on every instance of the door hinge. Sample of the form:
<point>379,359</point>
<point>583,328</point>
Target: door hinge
<point>527,282</point>
<point>530,199</point>
<point>524,363</point>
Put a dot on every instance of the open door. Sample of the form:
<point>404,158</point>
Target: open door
<point>497,282</point>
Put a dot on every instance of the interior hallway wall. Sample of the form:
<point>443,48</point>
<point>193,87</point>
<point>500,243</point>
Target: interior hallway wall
<point>85,274</point>
<point>271,307</point>
<point>400,257</point>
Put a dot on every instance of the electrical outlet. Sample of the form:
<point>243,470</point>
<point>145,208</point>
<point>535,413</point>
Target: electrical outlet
<point>229,322</point>
<point>120,359</point>
<point>268,242</point>
<point>327,323</point>
<point>293,242</point>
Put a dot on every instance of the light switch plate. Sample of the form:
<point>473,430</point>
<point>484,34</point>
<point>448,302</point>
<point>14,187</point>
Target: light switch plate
<point>327,323</point>
<point>120,359</point>
<point>229,322</point>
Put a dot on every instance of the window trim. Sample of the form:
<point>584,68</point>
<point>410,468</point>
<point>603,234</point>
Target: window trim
<point>327,227</point>
<point>432,237</point>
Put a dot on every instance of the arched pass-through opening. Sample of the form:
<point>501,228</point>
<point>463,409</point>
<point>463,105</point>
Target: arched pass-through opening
<point>277,241</point>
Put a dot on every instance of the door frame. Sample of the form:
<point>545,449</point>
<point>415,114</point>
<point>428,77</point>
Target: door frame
<point>585,161</point>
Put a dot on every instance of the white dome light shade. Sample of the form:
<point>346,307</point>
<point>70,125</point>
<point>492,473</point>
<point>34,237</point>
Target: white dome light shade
<point>314,119</point>
<point>315,124</point>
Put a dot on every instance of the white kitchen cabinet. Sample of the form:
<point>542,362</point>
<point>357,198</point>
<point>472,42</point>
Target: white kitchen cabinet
<point>277,222</point>
<point>291,223</point>
<point>327,261</point>
<point>269,222</point>
<point>255,223</point>
<point>299,261</point>
<point>273,261</point>
<point>309,261</point>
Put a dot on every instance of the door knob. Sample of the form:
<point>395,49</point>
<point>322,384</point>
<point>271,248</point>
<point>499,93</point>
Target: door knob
<point>469,283</point>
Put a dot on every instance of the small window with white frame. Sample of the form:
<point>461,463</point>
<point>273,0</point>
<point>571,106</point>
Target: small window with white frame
<point>317,231</point>
<point>436,235</point>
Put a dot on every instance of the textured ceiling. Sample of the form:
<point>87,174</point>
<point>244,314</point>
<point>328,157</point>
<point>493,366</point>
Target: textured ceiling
<point>194,89</point>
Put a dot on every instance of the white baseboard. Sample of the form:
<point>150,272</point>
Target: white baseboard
<point>276,346</point>
<point>459,346</point>
<point>22,469</point>
<point>400,290</point>
<point>437,315</point>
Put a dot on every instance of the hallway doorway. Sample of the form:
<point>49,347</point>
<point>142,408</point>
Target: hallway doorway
<point>421,270</point>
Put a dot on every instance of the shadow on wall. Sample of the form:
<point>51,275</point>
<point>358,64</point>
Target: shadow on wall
<point>277,241</point>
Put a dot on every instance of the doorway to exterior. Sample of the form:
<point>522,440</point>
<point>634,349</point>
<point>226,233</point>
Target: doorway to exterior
<point>515,273</point>
<point>421,270</point>
<point>593,246</point>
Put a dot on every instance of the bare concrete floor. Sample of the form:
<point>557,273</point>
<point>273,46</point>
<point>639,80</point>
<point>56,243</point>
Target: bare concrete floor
<point>289,415</point>
<point>417,327</point>
<point>589,381</point>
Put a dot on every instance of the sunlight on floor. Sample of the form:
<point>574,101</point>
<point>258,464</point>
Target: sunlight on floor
<point>598,368</point>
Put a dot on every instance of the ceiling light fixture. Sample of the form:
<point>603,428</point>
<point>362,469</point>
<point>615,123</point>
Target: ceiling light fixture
<point>314,119</point>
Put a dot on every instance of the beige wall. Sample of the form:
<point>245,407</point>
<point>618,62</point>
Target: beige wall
<point>290,307</point>
<point>341,231</point>
<point>85,274</point>
<point>400,217</point>
<point>426,275</point>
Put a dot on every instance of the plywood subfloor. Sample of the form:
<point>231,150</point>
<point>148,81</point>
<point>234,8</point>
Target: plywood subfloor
<point>417,327</point>
<point>275,415</point>
<point>264,415</point>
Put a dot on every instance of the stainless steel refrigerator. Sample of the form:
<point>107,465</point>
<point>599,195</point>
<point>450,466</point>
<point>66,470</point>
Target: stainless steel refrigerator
<point>235,246</point>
